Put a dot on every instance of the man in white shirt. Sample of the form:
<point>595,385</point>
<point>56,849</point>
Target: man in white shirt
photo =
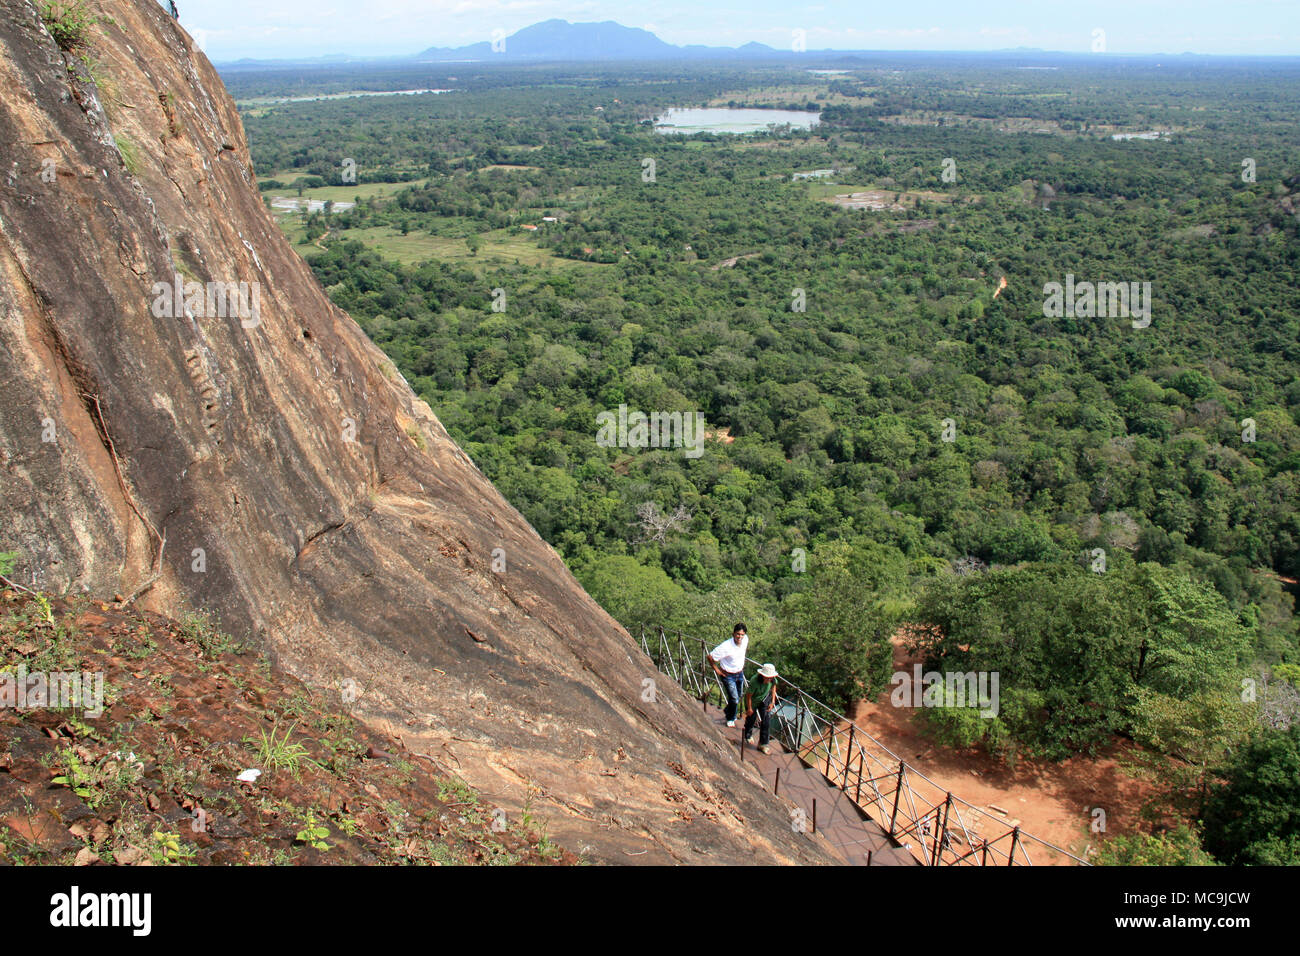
<point>728,660</point>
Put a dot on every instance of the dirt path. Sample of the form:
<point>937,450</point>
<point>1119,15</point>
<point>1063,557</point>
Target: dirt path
<point>1053,801</point>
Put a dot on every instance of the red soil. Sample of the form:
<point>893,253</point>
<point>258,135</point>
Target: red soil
<point>1052,801</point>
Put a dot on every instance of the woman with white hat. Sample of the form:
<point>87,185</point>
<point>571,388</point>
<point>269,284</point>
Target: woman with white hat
<point>760,697</point>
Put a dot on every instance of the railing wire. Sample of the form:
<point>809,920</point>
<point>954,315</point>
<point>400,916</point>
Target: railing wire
<point>933,824</point>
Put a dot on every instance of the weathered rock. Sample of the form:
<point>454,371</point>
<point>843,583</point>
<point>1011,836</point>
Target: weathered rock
<point>365,559</point>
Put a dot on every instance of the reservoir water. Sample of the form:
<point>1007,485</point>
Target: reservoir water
<point>728,120</point>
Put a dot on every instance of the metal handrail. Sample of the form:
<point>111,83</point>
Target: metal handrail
<point>946,830</point>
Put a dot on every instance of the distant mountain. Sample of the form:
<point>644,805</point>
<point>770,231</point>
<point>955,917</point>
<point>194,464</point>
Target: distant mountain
<point>561,40</point>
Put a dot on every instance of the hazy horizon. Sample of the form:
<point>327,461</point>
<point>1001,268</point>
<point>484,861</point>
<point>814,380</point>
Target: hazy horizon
<point>295,29</point>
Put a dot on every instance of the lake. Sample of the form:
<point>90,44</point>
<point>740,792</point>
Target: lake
<point>726,120</point>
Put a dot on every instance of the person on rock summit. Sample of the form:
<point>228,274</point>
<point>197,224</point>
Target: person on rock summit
<point>728,660</point>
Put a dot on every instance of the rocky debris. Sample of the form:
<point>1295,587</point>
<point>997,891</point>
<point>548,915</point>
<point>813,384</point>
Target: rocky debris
<point>152,780</point>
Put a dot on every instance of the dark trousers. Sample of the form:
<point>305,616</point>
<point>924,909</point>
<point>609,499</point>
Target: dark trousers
<point>763,715</point>
<point>733,685</point>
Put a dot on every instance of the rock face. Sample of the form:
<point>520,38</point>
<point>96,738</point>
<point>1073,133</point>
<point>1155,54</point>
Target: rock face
<point>273,466</point>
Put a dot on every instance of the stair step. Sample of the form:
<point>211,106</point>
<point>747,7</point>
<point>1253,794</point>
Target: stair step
<point>839,821</point>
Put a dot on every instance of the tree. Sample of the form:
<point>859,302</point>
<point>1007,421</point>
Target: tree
<point>711,615</point>
<point>633,593</point>
<point>1177,847</point>
<point>655,525</point>
<point>1074,649</point>
<point>1254,817</point>
<point>833,639</point>
<point>1189,638</point>
<point>1186,740</point>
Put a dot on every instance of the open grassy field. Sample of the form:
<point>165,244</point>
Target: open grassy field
<point>338,193</point>
<point>833,192</point>
<point>498,247</point>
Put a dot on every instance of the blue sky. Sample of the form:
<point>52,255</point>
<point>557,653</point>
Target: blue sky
<point>231,29</point>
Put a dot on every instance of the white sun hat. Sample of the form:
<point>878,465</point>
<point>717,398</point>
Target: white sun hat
<point>767,670</point>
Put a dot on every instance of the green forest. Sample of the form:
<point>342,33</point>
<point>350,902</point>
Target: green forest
<point>1104,509</point>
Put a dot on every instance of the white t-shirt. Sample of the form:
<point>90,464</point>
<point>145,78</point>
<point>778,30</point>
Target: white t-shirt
<point>730,655</point>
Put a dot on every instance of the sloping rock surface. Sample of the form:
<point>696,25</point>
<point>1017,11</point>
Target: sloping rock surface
<point>276,469</point>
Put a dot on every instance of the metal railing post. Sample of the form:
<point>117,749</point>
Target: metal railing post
<point>704,676</point>
<point>898,790</point>
<point>941,831</point>
<point>848,757</point>
<point>809,710</point>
